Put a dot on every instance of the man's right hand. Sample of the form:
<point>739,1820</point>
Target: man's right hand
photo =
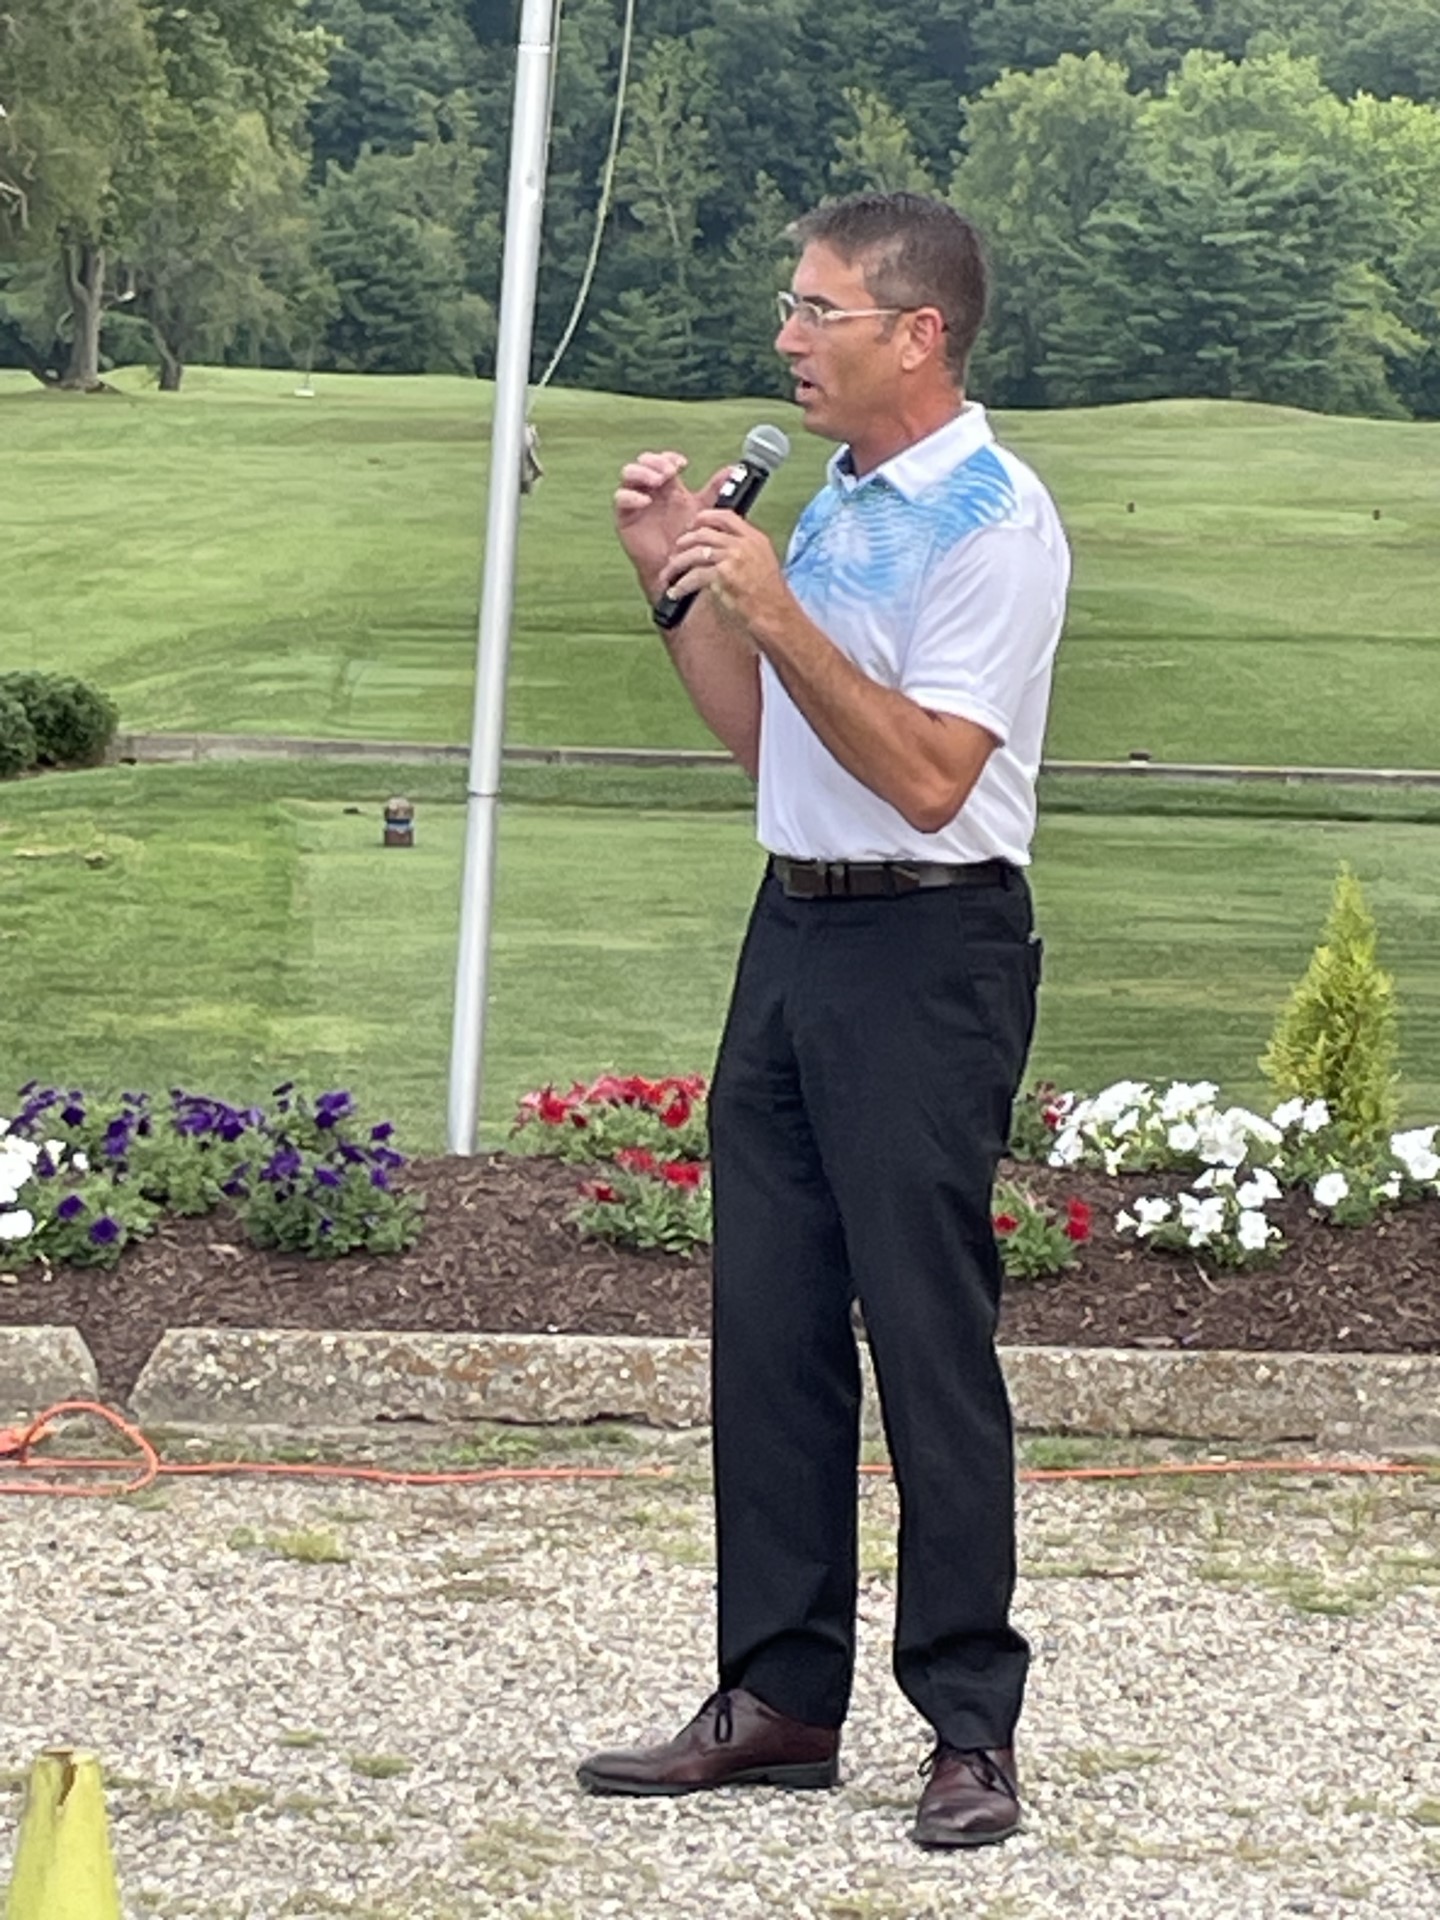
<point>653,507</point>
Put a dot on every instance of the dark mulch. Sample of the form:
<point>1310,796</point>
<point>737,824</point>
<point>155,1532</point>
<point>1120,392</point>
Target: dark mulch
<point>498,1255</point>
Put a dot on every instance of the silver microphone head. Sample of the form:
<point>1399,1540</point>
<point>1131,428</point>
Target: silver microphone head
<point>766,447</point>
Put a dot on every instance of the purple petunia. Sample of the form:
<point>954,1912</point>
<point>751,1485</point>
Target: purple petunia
<point>73,1115</point>
<point>379,1178</point>
<point>326,1177</point>
<point>283,1165</point>
<point>105,1231</point>
<point>383,1131</point>
<point>70,1208</point>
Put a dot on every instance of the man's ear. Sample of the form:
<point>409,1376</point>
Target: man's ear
<point>927,336</point>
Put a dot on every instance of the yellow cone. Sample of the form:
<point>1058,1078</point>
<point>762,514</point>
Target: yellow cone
<point>63,1869</point>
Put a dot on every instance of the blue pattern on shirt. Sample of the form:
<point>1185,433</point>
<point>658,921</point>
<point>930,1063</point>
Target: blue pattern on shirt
<point>869,543</point>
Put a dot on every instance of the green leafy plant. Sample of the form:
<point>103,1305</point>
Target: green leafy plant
<point>1335,1039</point>
<point>73,722</point>
<point>18,745</point>
<point>1034,1238</point>
<point>1036,1119</point>
<point>656,1205</point>
<point>80,1177</point>
<point>595,1122</point>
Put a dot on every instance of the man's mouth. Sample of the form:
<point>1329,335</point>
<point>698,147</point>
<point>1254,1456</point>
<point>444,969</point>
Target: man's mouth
<point>804,389</point>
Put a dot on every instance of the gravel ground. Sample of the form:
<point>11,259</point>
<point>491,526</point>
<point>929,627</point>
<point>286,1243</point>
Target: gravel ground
<point>346,1701</point>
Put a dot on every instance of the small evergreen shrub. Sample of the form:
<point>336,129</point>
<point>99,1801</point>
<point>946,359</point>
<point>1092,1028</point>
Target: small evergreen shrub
<point>1335,1039</point>
<point>17,736</point>
<point>74,723</point>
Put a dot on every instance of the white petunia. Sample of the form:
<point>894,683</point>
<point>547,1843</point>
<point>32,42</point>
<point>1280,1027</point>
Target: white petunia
<point>1260,1187</point>
<point>1068,1147</point>
<point>1253,1230</point>
<point>1389,1189</point>
<point>1255,1124</point>
<point>1213,1178</point>
<point>14,1172</point>
<point>1183,1097</point>
<point>1126,1123</point>
<point>1204,1220</point>
<point>1416,1152</point>
<point>1126,1223</point>
<point>1182,1137</point>
<point>1151,1213</point>
<point>1288,1114</point>
<point>80,1162</point>
<point>1331,1188</point>
<point>1315,1116</point>
<point>18,1225</point>
<point>1114,1100</point>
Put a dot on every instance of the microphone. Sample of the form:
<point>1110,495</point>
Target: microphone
<point>765,449</point>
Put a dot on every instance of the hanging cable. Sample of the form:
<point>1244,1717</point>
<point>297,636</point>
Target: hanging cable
<point>602,211</point>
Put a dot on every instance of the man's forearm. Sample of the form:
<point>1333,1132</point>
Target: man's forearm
<point>923,764</point>
<point>720,671</point>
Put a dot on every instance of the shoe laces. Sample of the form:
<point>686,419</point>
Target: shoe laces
<point>720,1704</point>
<point>979,1762</point>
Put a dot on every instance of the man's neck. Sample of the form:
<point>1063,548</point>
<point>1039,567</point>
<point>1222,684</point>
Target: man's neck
<point>872,450</point>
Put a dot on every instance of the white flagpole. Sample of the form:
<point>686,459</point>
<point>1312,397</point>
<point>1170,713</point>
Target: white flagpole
<point>529,153</point>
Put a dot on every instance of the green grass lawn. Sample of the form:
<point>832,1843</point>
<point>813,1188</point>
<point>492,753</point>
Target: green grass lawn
<point>238,558</point>
<point>220,927</point>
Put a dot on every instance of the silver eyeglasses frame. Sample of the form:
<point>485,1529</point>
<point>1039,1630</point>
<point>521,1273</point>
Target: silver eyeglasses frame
<point>812,316</point>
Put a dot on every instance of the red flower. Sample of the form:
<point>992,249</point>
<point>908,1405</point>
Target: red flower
<point>1051,1116</point>
<point>551,1107</point>
<point>677,1113</point>
<point>607,1090</point>
<point>637,1160</point>
<point>1005,1223</point>
<point>682,1173</point>
<point>1077,1225</point>
<point>599,1190</point>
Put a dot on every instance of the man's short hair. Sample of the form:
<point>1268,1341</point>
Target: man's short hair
<point>915,251</point>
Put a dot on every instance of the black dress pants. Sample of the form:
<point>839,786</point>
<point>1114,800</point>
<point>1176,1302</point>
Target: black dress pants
<point>860,1105</point>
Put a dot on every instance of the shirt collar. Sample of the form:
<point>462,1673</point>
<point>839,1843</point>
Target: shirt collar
<point>917,467</point>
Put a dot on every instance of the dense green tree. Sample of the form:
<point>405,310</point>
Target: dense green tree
<point>81,86</point>
<point>1396,149</point>
<point>1044,151</point>
<point>400,72</point>
<point>878,153</point>
<point>1232,258</point>
<point>145,139</point>
<point>389,242</point>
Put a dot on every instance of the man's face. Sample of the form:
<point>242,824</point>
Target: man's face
<point>847,372</point>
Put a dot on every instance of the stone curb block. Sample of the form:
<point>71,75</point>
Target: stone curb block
<point>279,1378</point>
<point>40,1366</point>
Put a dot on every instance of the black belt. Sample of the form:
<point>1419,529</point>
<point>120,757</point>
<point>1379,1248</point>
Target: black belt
<point>876,879</point>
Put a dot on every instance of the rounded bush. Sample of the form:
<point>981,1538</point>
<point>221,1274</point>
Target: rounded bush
<point>73,722</point>
<point>17,737</point>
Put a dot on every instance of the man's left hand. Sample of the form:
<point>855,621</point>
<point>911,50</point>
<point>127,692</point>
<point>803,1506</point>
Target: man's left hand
<point>734,563</point>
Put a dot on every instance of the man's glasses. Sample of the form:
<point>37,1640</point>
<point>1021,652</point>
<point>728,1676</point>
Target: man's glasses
<point>812,315</point>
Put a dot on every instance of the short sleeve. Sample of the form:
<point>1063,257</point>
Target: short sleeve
<point>987,624</point>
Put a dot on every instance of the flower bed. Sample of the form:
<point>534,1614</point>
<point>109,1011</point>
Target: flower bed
<point>502,1249</point>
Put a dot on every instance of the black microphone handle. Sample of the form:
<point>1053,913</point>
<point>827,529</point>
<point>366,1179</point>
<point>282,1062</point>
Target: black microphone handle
<point>738,495</point>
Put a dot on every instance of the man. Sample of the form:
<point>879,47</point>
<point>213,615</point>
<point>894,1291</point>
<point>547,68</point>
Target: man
<point>889,691</point>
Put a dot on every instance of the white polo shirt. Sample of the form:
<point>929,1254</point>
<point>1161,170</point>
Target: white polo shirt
<point>942,574</point>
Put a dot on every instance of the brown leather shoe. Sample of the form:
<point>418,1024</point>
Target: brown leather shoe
<point>734,1741</point>
<point>970,1800</point>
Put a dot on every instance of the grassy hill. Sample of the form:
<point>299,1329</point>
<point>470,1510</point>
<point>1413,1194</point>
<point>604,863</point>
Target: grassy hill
<point>240,558</point>
<point>223,927</point>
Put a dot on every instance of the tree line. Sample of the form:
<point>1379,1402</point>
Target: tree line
<point>1231,198</point>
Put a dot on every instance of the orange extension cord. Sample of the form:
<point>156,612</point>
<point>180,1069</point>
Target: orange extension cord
<point>17,1445</point>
